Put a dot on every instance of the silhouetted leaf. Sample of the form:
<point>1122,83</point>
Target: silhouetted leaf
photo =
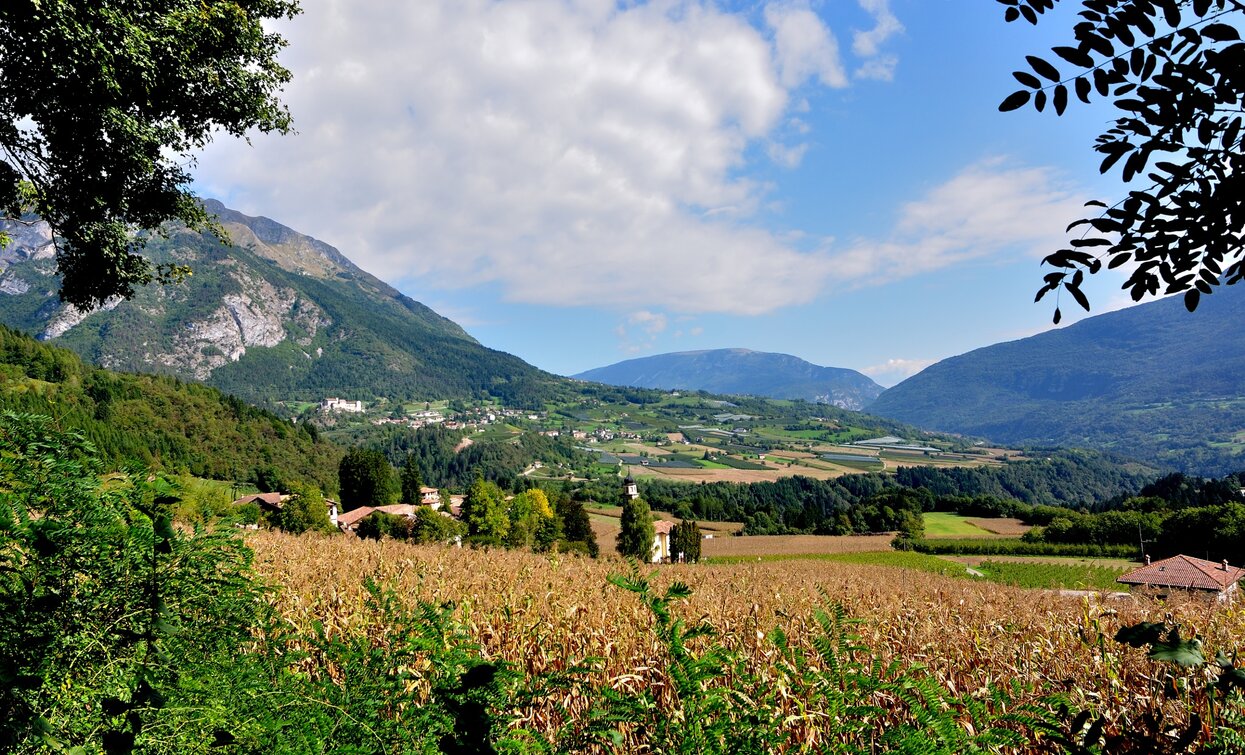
<point>1043,68</point>
<point>1220,33</point>
<point>1060,99</point>
<point>1075,56</point>
<point>1015,100</point>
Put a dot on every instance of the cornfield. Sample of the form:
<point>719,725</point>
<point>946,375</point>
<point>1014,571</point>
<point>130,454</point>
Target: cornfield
<point>548,614</point>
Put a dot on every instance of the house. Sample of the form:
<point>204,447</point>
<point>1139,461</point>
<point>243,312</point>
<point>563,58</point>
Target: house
<point>661,540</point>
<point>1188,573</point>
<point>272,502</point>
<point>266,501</point>
<point>349,521</point>
<point>430,497</point>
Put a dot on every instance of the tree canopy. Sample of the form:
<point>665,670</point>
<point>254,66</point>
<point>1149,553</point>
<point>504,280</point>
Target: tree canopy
<point>635,539</point>
<point>103,102</point>
<point>1175,71</point>
<point>366,479</point>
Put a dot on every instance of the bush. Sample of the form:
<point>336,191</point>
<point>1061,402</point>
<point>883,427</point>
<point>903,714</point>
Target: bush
<point>1017,547</point>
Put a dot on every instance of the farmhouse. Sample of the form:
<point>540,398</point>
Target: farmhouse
<point>348,521</point>
<point>272,502</point>
<point>1188,573</point>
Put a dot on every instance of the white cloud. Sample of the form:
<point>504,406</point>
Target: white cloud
<point>868,44</point>
<point>987,210</point>
<point>589,153</point>
<point>806,47</point>
<point>573,152</point>
<point>892,371</point>
<point>650,322</point>
<point>641,330</point>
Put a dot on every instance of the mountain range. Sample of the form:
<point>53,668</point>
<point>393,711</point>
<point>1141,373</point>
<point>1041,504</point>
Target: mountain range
<point>270,315</point>
<point>273,315</point>
<point>1152,382</point>
<point>742,372</point>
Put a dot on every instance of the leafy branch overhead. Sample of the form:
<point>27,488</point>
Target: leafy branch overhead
<point>1175,71</point>
<point>102,103</point>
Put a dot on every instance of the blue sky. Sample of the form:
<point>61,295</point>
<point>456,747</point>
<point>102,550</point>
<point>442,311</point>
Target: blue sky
<point>583,181</point>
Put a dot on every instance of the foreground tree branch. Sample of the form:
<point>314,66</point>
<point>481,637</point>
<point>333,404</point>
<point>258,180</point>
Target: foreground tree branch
<point>1176,72</point>
<point>102,103</point>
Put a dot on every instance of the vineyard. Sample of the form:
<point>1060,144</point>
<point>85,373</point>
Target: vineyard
<point>995,662</point>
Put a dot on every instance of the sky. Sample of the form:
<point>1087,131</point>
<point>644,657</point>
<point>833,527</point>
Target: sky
<point>579,182</point>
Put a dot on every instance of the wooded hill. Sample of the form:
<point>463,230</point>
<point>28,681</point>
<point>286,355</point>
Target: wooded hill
<point>272,315</point>
<point>742,372</point>
<point>1153,382</point>
<point>159,420</point>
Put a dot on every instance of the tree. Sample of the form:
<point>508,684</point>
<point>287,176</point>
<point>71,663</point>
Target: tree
<point>530,514</point>
<point>576,525</point>
<point>1174,69</point>
<point>685,541</point>
<point>411,480</point>
<point>431,527</point>
<point>378,524</point>
<point>484,512</point>
<point>303,511</point>
<point>366,479</point>
<point>635,539</point>
<point>97,129</point>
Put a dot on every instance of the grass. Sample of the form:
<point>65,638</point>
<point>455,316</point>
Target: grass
<point>1047,575</point>
<point>945,524</point>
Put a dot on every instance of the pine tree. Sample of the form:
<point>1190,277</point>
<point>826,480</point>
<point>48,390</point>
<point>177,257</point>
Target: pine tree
<point>411,480</point>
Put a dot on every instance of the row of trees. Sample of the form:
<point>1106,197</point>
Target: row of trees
<point>1175,514</point>
<point>528,520</point>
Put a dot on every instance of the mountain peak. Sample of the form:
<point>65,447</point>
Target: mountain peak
<point>742,371</point>
<point>273,314</point>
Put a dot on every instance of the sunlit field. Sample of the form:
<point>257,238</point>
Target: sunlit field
<point>548,613</point>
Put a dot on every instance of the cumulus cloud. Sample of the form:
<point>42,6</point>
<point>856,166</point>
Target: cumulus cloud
<point>572,152</point>
<point>894,370</point>
<point>805,45</point>
<point>640,331</point>
<point>987,209</point>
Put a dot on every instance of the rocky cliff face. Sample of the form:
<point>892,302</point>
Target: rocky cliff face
<point>273,314</point>
<point>254,314</point>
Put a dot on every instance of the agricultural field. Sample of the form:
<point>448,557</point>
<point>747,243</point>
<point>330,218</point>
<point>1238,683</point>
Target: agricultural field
<point>1002,646</point>
<point>944,524</point>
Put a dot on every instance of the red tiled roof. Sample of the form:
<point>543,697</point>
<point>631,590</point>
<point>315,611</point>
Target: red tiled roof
<point>1186,572</point>
<point>399,509</point>
<point>353,516</point>
<point>662,527</point>
<point>272,499</point>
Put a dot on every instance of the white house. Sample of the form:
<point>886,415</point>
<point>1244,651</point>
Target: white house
<point>661,541</point>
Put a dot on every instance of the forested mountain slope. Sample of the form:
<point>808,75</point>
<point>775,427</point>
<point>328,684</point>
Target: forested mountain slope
<point>1153,382</point>
<point>273,315</point>
<point>159,420</point>
<point>742,372</point>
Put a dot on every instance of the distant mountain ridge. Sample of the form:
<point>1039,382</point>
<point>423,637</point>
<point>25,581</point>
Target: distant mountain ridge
<point>273,315</point>
<point>742,372</point>
<point>1152,382</point>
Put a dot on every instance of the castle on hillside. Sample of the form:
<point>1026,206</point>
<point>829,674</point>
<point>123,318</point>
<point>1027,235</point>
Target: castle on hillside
<point>340,405</point>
